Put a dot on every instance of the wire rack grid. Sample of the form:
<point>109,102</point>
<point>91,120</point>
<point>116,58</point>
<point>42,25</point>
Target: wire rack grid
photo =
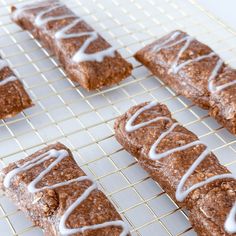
<point>84,120</point>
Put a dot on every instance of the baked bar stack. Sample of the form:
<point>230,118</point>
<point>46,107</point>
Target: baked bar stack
<point>57,195</point>
<point>13,97</point>
<point>182,165</point>
<point>86,57</point>
<point>193,70</point>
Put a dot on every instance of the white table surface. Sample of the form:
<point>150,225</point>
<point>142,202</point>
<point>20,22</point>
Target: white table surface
<point>222,9</point>
<point>83,121</point>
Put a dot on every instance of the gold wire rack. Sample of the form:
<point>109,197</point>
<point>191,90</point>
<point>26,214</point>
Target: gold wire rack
<point>83,120</point>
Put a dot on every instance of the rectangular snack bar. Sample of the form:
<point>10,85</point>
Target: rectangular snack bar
<point>13,97</point>
<point>86,57</point>
<point>182,165</point>
<point>193,70</point>
<point>57,195</point>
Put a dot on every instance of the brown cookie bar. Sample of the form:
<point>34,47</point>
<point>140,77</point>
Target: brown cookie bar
<point>57,195</point>
<point>13,97</point>
<point>193,70</point>
<point>182,165</point>
<point>86,57</point>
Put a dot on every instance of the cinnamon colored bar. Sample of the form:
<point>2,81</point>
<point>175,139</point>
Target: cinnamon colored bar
<point>195,71</point>
<point>56,195</point>
<point>13,97</point>
<point>182,165</point>
<point>86,57</point>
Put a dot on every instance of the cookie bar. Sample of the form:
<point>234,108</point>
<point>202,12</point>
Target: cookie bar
<point>182,165</point>
<point>57,195</point>
<point>193,70</point>
<point>86,57</point>
<point>13,97</point>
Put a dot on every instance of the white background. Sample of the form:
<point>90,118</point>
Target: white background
<point>83,120</point>
<point>222,9</point>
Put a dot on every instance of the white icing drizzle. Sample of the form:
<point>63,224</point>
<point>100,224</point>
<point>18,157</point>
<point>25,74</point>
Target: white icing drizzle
<point>213,75</point>
<point>158,47</point>
<point>59,156</point>
<point>175,67</point>
<point>8,79</point>
<point>3,64</point>
<point>129,127</point>
<point>230,223</point>
<point>80,55</point>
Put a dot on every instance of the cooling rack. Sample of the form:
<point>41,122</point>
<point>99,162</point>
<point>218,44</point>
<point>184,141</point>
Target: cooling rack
<point>83,120</point>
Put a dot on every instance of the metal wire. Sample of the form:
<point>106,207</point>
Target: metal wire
<point>83,121</point>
